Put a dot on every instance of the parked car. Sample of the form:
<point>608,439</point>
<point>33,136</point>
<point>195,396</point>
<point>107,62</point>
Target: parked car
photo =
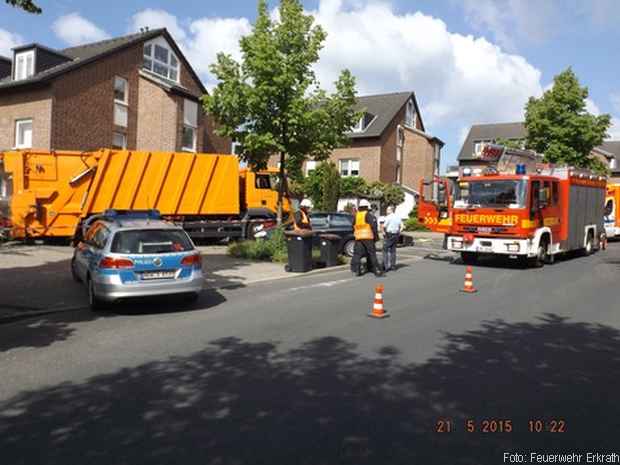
<point>340,224</point>
<point>135,254</point>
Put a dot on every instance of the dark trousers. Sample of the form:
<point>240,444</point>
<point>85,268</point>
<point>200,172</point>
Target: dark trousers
<point>365,248</point>
<point>389,250</point>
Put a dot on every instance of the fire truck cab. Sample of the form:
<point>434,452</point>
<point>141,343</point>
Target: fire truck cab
<point>528,215</point>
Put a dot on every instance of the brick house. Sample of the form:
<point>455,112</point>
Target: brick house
<point>137,92</point>
<point>389,144</point>
<point>469,156</point>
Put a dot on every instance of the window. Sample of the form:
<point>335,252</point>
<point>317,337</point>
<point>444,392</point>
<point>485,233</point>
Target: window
<point>410,115</point>
<point>121,100</point>
<point>349,167</point>
<point>24,65</point>
<point>161,60</point>
<point>479,144</point>
<point>120,90</point>
<point>341,221</point>
<point>359,127</point>
<point>190,125</point>
<point>318,220</point>
<point>100,237</point>
<point>310,166</point>
<point>555,195</point>
<point>23,134</point>
<point>363,123</point>
<point>151,241</point>
<point>119,141</point>
<point>262,181</point>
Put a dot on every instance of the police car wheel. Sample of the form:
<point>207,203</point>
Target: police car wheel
<point>93,301</point>
<point>74,273</point>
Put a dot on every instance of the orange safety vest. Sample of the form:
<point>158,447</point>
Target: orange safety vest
<point>362,230</point>
<point>305,222</point>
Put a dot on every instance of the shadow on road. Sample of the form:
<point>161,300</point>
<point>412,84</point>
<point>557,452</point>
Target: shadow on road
<point>239,402</point>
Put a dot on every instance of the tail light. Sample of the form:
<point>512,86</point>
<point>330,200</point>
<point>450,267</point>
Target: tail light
<point>194,260</point>
<point>111,262</point>
<point>269,224</point>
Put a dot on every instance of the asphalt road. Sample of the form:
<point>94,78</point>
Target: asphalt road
<point>294,371</point>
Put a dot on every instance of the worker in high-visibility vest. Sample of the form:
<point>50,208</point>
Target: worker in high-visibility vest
<point>366,234</point>
<point>301,220</point>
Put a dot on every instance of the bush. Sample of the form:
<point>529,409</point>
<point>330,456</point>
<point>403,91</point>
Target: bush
<point>271,250</point>
<point>412,223</point>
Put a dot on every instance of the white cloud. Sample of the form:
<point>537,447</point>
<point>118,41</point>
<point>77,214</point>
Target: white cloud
<point>509,20</point>
<point>592,107</point>
<point>210,36</point>
<point>8,40</point>
<point>614,129</point>
<point>154,19</point>
<point>74,29</point>
<point>458,79</point>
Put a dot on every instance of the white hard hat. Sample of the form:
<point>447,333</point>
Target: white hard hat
<point>364,203</point>
<point>305,203</point>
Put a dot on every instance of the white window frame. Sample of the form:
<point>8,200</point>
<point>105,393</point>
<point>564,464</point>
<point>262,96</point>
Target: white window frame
<point>187,124</point>
<point>359,127</point>
<point>345,167</point>
<point>123,146</point>
<point>24,72</point>
<point>310,166</point>
<point>479,144</point>
<point>19,123</point>
<point>121,106</point>
<point>168,65</point>
<point>410,114</point>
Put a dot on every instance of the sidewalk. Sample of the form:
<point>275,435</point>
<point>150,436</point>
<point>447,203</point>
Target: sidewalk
<point>36,280</point>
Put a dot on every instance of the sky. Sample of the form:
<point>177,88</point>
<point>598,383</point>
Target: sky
<point>468,61</point>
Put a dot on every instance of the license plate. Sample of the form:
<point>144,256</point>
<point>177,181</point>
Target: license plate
<point>157,275</point>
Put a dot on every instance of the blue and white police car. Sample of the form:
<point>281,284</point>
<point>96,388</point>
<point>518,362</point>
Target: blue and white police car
<point>126,254</point>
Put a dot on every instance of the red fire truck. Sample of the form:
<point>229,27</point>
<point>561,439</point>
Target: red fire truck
<point>531,212</point>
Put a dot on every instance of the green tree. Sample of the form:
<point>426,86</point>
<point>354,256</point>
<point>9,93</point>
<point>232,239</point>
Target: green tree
<point>511,143</point>
<point>559,126</point>
<point>353,186</point>
<point>386,194</point>
<point>26,5</point>
<point>271,103</point>
<point>322,186</point>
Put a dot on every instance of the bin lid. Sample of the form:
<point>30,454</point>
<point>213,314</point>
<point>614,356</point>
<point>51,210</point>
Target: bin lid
<point>302,233</point>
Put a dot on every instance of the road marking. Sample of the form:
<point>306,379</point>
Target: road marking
<point>325,284</point>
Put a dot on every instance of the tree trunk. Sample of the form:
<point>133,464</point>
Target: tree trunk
<point>281,188</point>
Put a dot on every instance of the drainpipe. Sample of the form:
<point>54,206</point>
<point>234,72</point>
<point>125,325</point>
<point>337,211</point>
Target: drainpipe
<point>436,160</point>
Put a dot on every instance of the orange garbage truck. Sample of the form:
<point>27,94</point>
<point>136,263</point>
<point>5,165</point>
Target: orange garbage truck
<point>612,215</point>
<point>528,214</point>
<point>48,194</point>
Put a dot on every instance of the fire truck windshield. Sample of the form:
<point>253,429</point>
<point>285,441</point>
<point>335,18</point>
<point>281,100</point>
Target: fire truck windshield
<point>488,193</point>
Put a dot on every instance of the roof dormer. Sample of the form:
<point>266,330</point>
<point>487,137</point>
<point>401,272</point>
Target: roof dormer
<point>32,59</point>
<point>363,123</point>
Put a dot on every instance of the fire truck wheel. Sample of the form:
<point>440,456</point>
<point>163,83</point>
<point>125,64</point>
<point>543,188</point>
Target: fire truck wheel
<point>469,258</point>
<point>539,260</point>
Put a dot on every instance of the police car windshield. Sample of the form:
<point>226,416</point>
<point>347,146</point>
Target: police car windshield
<point>487,193</point>
<point>151,241</point>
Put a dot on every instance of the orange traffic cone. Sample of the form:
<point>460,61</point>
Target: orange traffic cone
<point>377,308</point>
<point>468,286</point>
